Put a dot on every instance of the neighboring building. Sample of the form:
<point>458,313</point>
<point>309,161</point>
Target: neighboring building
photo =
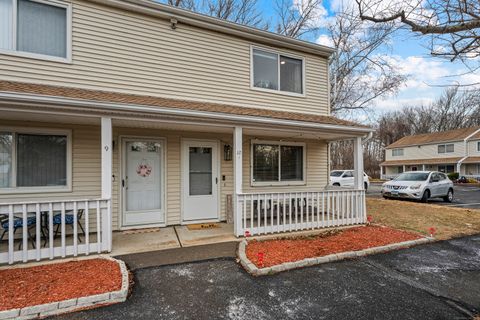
<point>449,151</point>
<point>133,114</point>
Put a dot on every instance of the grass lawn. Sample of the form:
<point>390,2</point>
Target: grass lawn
<point>419,217</point>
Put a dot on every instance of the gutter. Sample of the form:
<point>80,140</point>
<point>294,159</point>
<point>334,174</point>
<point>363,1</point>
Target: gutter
<point>60,101</point>
<point>203,21</point>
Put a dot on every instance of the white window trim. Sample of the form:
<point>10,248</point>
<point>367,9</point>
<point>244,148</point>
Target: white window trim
<point>397,155</point>
<point>445,146</point>
<point>15,52</point>
<point>278,53</point>
<point>279,183</point>
<point>38,131</point>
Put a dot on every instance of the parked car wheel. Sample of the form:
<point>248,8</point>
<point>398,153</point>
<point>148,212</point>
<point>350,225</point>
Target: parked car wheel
<point>425,196</point>
<point>336,184</point>
<point>449,196</point>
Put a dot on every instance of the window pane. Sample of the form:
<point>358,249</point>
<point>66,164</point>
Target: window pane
<point>6,24</point>
<point>5,160</point>
<point>441,148</point>
<point>291,75</point>
<point>450,147</point>
<point>42,28</point>
<point>292,163</point>
<point>200,171</point>
<point>265,70</point>
<point>41,160</point>
<point>265,162</point>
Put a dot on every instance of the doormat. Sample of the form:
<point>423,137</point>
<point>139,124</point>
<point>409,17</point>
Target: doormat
<point>201,226</point>
<point>135,231</point>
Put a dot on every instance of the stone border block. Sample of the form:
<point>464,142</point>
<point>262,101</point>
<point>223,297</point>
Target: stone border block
<point>255,271</point>
<point>70,305</point>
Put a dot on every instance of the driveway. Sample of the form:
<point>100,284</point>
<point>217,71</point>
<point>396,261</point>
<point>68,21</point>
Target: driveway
<point>435,281</point>
<point>465,196</point>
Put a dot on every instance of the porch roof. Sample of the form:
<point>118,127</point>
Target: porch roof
<point>9,89</point>
<point>421,161</point>
<point>472,160</point>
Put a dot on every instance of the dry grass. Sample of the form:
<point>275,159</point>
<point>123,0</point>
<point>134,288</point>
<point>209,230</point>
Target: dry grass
<point>418,217</point>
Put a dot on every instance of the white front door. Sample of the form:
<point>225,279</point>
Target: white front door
<point>142,182</point>
<point>200,180</point>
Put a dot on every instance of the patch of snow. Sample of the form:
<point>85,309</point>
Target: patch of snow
<point>240,309</point>
<point>183,272</point>
<point>271,293</point>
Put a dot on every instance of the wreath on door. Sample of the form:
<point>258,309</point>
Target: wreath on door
<point>144,169</point>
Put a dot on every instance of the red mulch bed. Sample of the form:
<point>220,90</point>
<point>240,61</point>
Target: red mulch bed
<point>22,287</point>
<point>353,239</point>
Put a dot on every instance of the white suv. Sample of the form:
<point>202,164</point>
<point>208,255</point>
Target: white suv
<point>345,178</point>
<point>419,185</point>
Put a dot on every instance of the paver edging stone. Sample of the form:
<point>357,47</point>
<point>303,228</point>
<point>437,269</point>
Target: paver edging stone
<point>255,271</point>
<point>70,305</point>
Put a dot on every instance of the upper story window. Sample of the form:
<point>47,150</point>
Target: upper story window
<point>35,28</point>
<point>446,148</point>
<point>478,146</point>
<point>34,162</point>
<point>397,152</point>
<point>277,163</point>
<point>277,72</point>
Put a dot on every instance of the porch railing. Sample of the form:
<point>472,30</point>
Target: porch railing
<point>263,213</point>
<point>49,229</point>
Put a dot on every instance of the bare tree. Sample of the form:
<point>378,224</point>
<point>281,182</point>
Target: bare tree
<point>297,19</point>
<point>360,70</point>
<point>453,25</point>
<point>238,11</point>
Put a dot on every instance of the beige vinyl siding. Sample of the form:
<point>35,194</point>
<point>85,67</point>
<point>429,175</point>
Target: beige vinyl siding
<point>132,53</point>
<point>428,151</point>
<point>473,148</point>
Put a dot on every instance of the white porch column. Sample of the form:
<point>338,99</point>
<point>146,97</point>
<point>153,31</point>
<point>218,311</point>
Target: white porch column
<point>423,167</point>
<point>237,177</point>
<point>106,158</point>
<point>404,168</point>
<point>358,163</point>
<point>381,172</point>
<point>106,145</point>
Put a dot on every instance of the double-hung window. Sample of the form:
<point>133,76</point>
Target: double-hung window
<point>446,148</point>
<point>278,163</point>
<point>34,162</point>
<point>277,72</point>
<point>397,152</point>
<point>35,28</point>
<point>478,146</point>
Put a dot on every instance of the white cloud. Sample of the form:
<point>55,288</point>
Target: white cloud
<point>325,40</point>
<point>319,13</point>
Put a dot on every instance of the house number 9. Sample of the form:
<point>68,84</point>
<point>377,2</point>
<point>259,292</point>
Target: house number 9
<point>106,148</point>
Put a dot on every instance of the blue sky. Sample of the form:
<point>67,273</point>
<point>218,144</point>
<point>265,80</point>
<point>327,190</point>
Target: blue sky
<point>427,75</point>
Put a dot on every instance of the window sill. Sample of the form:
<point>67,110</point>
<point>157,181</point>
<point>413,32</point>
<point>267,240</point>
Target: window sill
<point>26,190</point>
<point>278,184</point>
<point>36,56</point>
<point>283,93</point>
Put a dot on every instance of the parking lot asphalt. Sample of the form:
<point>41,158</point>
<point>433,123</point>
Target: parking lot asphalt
<point>435,281</point>
<point>465,196</point>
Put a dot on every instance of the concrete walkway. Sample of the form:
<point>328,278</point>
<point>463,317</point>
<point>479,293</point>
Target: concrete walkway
<point>435,281</point>
<point>155,239</point>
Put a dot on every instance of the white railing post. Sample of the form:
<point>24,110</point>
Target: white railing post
<point>238,176</point>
